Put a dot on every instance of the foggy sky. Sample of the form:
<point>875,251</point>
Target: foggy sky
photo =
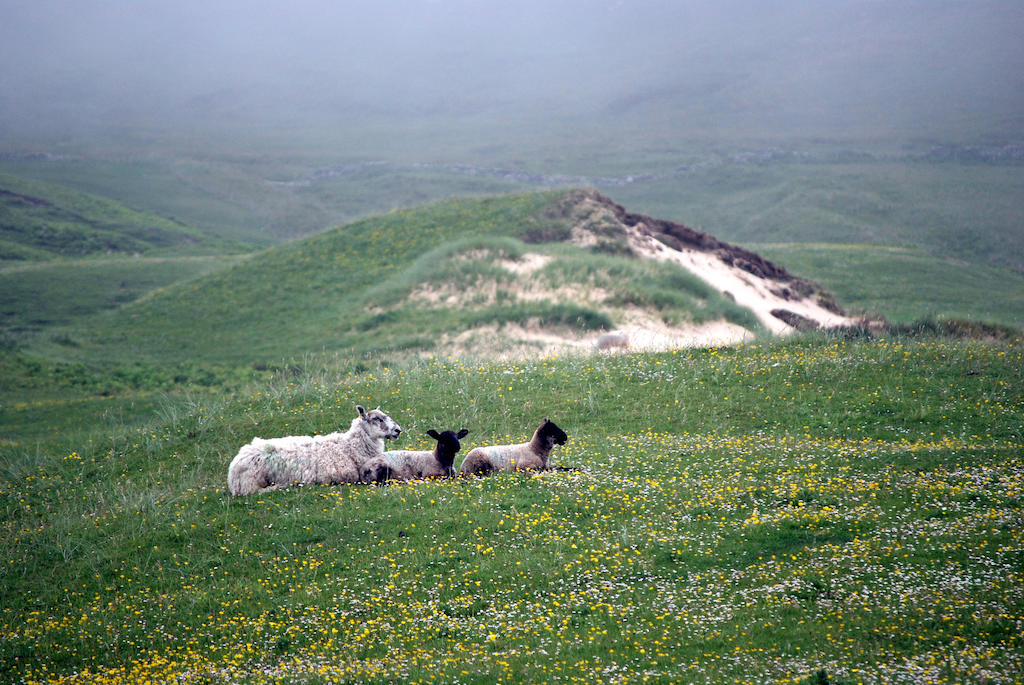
<point>696,68</point>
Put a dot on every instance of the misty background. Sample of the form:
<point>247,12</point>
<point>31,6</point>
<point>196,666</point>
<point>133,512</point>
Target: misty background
<point>890,123</point>
<point>443,79</point>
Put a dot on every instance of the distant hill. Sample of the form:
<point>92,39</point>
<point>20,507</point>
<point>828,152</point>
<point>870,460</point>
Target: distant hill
<point>40,221</point>
<point>508,275</point>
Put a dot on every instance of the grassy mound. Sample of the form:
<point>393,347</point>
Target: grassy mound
<point>352,290</point>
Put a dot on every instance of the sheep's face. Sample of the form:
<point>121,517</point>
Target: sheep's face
<point>551,434</point>
<point>378,424</point>
<point>448,446</point>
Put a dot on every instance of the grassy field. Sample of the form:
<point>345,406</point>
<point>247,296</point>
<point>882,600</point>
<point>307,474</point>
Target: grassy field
<point>815,510</point>
<point>192,255</point>
<point>904,284</point>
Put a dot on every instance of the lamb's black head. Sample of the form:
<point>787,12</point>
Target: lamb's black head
<point>448,445</point>
<point>552,434</point>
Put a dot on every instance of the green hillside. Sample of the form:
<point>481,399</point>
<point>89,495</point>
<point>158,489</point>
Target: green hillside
<point>353,290</point>
<point>38,295</point>
<point>40,221</point>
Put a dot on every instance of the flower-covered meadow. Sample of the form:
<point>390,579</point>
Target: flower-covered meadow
<point>810,511</point>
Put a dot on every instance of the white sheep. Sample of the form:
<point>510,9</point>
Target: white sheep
<point>526,456</point>
<point>415,464</point>
<point>265,465</point>
<point>608,341</point>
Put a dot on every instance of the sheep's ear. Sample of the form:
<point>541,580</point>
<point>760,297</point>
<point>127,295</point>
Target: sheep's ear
<point>462,433</point>
<point>361,410</point>
<point>434,434</point>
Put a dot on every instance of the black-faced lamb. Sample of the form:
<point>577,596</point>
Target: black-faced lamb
<point>265,465</point>
<point>526,456</point>
<point>417,464</point>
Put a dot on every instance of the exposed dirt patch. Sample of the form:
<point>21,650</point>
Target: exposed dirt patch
<point>648,333</point>
<point>525,286</point>
<point>747,278</point>
<point>801,323</point>
<point>641,332</point>
<point>484,293</point>
<point>525,265</point>
<point>511,341</point>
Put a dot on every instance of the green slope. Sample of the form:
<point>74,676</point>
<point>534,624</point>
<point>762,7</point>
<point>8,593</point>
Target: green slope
<point>295,298</point>
<point>349,290</point>
<point>40,220</point>
<point>40,294</point>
